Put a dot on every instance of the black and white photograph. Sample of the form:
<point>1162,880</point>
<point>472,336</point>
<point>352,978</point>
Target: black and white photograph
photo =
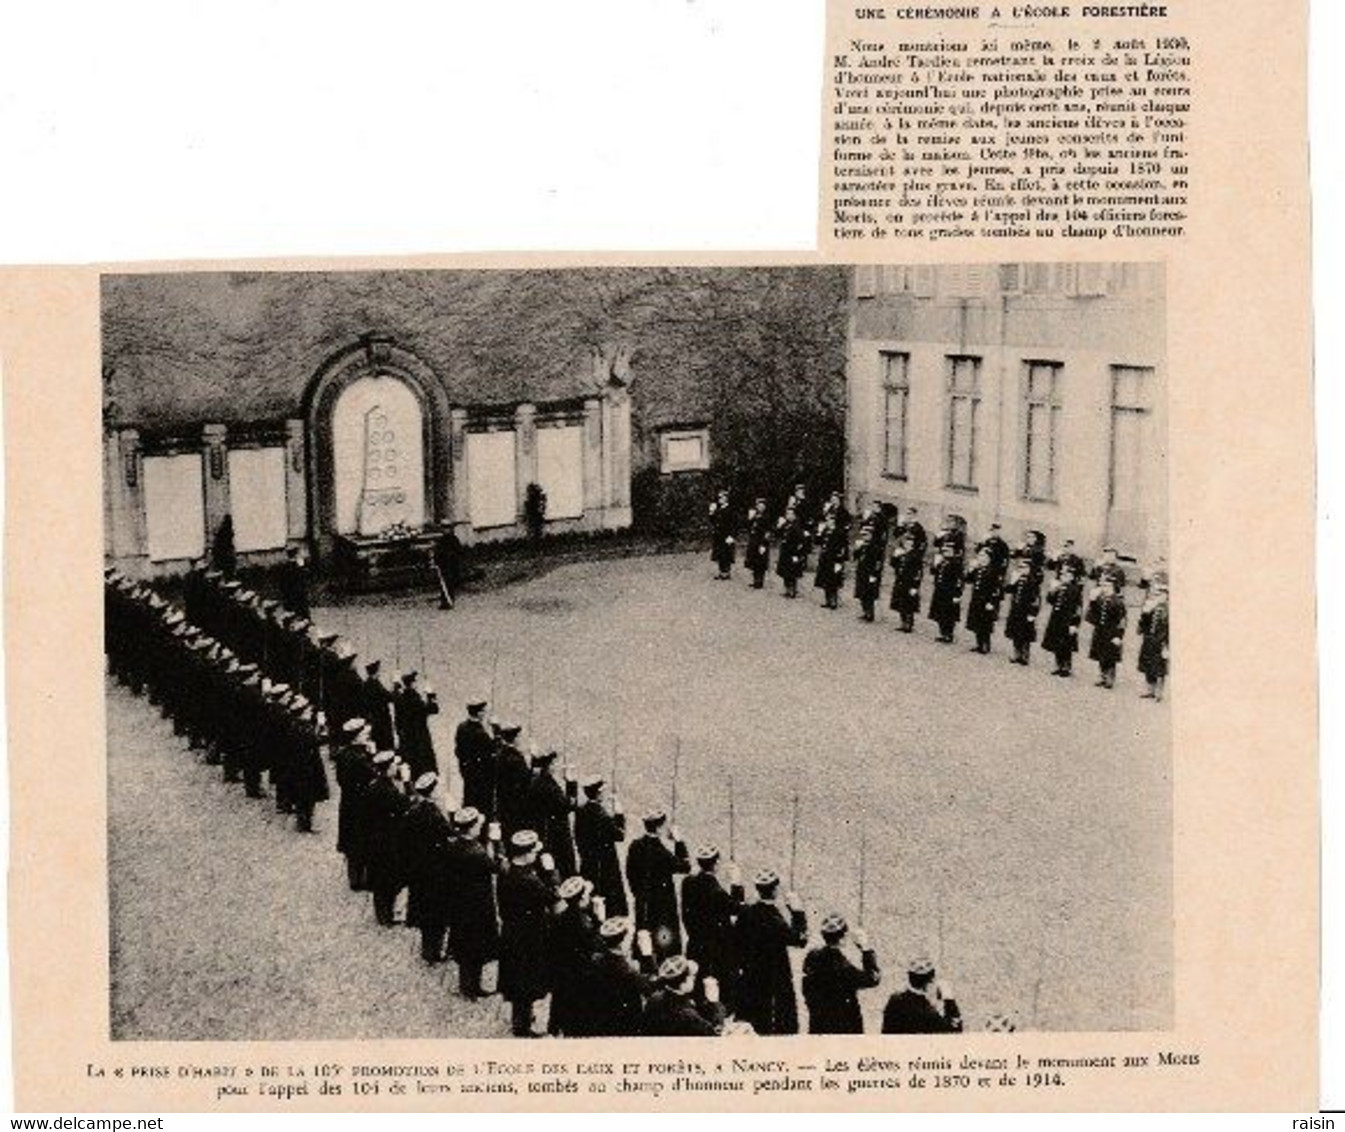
<point>638,651</point>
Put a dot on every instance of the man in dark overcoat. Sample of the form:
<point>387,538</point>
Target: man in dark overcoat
<point>832,980</point>
<point>1061,638</point>
<point>652,863</point>
<point>709,912</point>
<point>527,898</point>
<point>413,711</point>
<point>945,604</point>
<point>983,597</point>
<point>474,746</point>
<point>757,556</point>
<point>597,835</point>
<point>1107,614</point>
<point>426,836</point>
<point>766,931</point>
<point>549,806</point>
<point>473,919</point>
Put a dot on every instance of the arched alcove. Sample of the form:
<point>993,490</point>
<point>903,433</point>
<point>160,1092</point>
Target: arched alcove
<point>378,442</point>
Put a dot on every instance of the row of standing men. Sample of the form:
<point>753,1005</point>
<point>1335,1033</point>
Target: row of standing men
<point>533,880</point>
<point>974,589</point>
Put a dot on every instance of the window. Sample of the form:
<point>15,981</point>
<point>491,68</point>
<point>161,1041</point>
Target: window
<point>966,281</point>
<point>896,407</point>
<point>1131,403</point>
<point>1041,429</point>
<point>964,401</point>
<point>685,450</point>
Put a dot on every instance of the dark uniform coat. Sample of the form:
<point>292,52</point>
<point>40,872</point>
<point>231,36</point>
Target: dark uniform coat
<point>983,599</point>
<point>758,555</point>
<point>650,868</point>
<point>376,709</point>
<point>1153,630</point>
<point>766,982</point>
<point>831,983</point>
<point>908,570</point>
<point>513,781</point>
<point>722,531</point>
<point>669,1015</point>
<point>574,938</point>
<point>709,911</point>
<point>413,731</point>
<point>833,542</point>
<point>597,835</point>
<point>1024,594</point>
<point>615,990</point>
<point>386,810</point>
<point>945,604</point>
<point>549,815</point>
<point>473,924</point>
<point>910,1012</point>
<point>475,750</point>
<point>1062,627</point>
<point>426,838</point>
<point>354,775</point>
<point>792,558</point>
<point>870,558</point>
<point>526,896</point>
<point>1107,614</point>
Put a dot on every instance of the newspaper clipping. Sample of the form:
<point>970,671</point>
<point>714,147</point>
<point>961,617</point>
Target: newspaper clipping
<point>479,677</point>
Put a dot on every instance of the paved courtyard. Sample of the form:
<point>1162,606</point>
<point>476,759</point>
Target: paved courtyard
<point>1017,827</point>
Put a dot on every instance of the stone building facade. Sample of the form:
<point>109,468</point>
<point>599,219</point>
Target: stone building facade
<point>1031,394</point>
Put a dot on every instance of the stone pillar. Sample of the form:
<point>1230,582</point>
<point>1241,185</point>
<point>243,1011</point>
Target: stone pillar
<point>459,515</point>
<point>593,465</point>
<point>525,451</point>
<point>126,499</point>
<point>296,481</point>
<point>616,452</point>
<point>215,455</point>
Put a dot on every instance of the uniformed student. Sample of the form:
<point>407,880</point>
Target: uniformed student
<point>549,806</point>
<point>574,938</point>
<point>376,707</point>
<point>513,780</point>
<point>996,549</point>
<point>598,832</point>
<point>1022,587</point>
<point>722,529</point>
<point>651,864</point>
<point>945,604</point>
<point>474,747</point>
<point>616,984</point>
<point>527,894</point>
<point>1061,639</point>
<point>832,980</point>
<point>426,838</point>
<point>1153,630</point>
<point>673,1010</point>
<point>1107,614</point>
<point>413,708</point>
<point>1108,569</point>
<point>908,570</point>
<point>870,558</point>
<point>924,1006</point>
<point>471,863</point>
<point>792,557</point>
<point>758,554</point>
<point>766,930</point>
<point>983,594</point>
<point>833,543</point>
<point>385,811</point>
<point>709,911</point>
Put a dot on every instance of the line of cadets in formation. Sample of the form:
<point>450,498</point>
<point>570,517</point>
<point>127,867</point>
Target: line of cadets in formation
<point>998,580</point>
<point>525,872</point>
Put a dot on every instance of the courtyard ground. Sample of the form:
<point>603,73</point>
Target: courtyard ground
<point>1017,827</point>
